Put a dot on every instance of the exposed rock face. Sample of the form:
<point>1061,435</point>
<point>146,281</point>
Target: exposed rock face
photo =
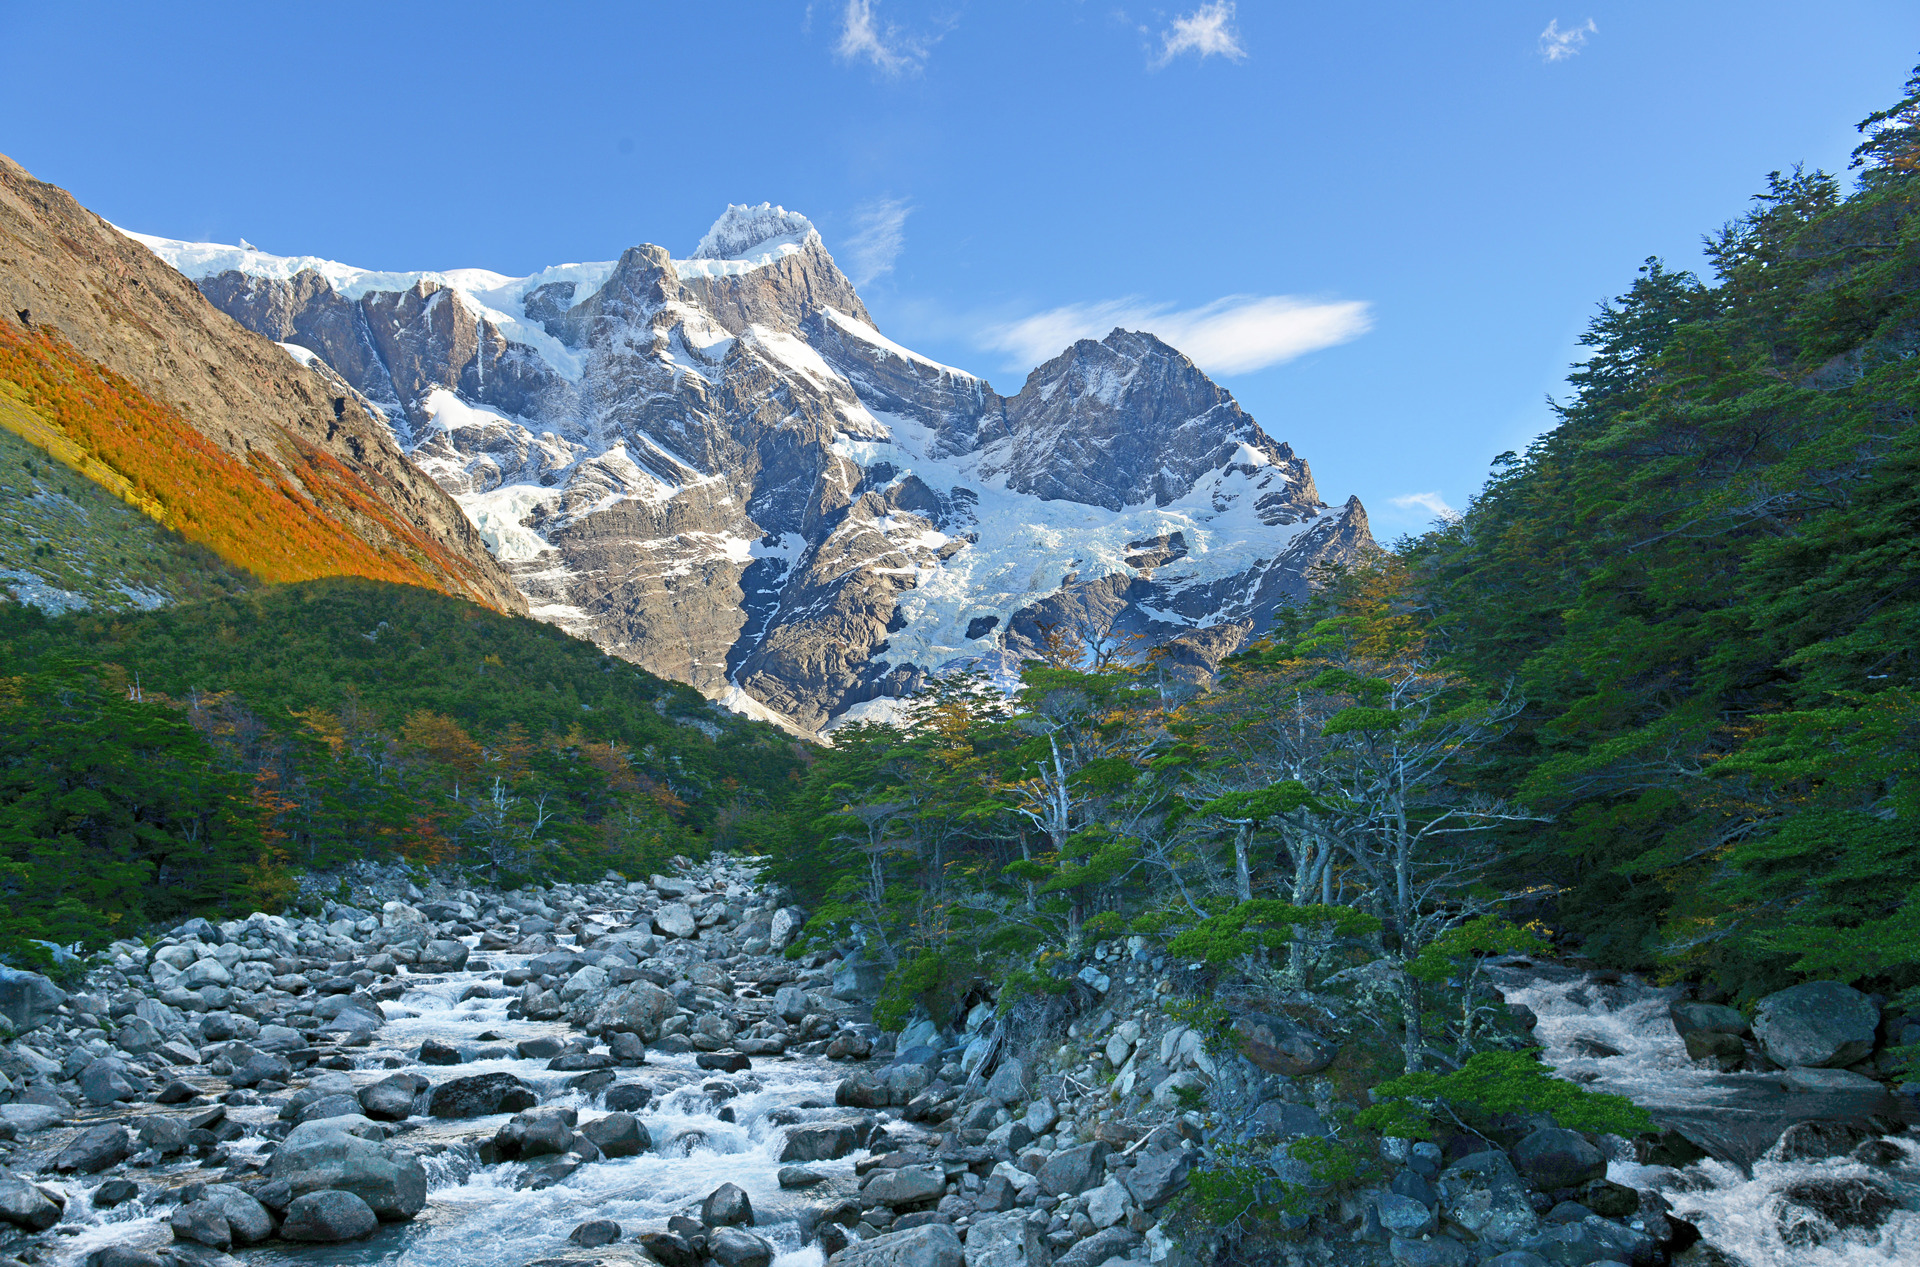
<point>717,468</point>
<point>65,270</point>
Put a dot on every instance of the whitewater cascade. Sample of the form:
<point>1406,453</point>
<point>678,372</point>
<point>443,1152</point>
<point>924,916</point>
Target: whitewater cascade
<point>1842,1190</point>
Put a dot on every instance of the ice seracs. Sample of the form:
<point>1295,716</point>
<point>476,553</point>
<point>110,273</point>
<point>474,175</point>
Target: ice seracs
<point>719,468</point>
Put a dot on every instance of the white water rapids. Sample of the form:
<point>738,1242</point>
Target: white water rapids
<point>1739,1198</point>
<point>475,1216</point>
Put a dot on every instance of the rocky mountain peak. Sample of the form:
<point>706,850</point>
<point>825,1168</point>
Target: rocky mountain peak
<point>755,234</point>
<point>719,468</point>
<point>1125,420</point>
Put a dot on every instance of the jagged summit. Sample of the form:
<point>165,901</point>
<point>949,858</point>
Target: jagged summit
<point>755,234</point>
<point>719,468</point>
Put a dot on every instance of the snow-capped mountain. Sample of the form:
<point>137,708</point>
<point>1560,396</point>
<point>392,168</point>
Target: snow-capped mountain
<point>716,467</point>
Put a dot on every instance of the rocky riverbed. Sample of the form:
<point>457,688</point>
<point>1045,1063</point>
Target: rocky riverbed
<point>635,1072</point>
<point>608,1073</point>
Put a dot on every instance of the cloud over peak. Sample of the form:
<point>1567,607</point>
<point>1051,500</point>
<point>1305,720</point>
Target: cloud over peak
<point>1206,32</point>
<point>1233,335</point>
<point>1557,45</point>
<point>864,38</point>
<point>878,238</point>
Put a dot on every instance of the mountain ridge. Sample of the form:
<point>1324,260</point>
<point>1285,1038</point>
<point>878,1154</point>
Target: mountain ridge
<point>117,356</point>
<point>719,468</point>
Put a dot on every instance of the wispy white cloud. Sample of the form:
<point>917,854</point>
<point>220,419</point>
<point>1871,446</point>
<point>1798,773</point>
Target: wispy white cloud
<point>1234,335</point>
<point>1206,32</point>
<point>1432,503</point>
<point>878,238</point>
<point>1557,45</point>
<point>864,38</point>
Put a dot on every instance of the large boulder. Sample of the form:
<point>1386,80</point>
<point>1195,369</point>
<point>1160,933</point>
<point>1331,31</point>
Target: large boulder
<point>106,1080</point>
<point>1483,1194</point>
<point>904,1185</point>
<point>825,1142</point>
<point>727,1206</point>
<point>1156,1178</point>
<point>858,978</point>
<point>1705,1018</point>
<point>931,1245</point>
<point>328,1216</point>
<point>1553,1158</point>
<point>1592,1240</point>
<point>618,1135</point>
<point>1008,1239</point>
<point>443,956</point>
<point>737,1247</point>
<point>27,1205</point>
<point>1112,1242</point>
<point>1818,1024</point>
<point>27,999</point>
<point>639,1008</point>
<point>318,1156</point>
<point>1278,1045</point>
<point>676,919</point>
<point>1072,1171</point>
<point>94,1149</point>
<point>480,1096</point>
<point>391,1099</point>
<point>248,1221</point>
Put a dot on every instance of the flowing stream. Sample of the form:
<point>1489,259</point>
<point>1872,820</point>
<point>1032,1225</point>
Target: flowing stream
<point>1750,1202</point>
<point>477,1216</point>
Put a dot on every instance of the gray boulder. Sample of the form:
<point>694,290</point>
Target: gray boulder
<point>1483,1194</point>
<point>737,1247</point>
<point>904,1185</point>
<point>202,1223</point>
<point>247,1220</point>
<point>27,999</point>
<point>106,1080</point>
<point>1073,1170</point>
<point>594,1233</point>
<point>1705,1018</point>
<point>1592,1240</point>
<point>27,1205</point>
<point>1404,1216</point>
<point>391,1099</point>
<point>320,1156</point>
<point>1113,1242</point>
<point>1817,1024</point>
<point>1009,1082</point>
<point>94,1149</point>
<point>328,1216</point>
<point>443,956</point>
<point>858,978</point>
<point>828,1142</point>
<point>727,1206</point>
<point>163,1134</point>
<point>931,1245</point>
<point>1007,1239</point>
<point>1552,1158</point>
<point>618,1135</point>
<point>674,919</point>
<point>261,1066</point>
<point>480,1096</point>
<point>1156,1178</point>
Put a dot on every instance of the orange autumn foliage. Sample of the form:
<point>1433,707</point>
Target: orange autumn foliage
<point>279,517</point>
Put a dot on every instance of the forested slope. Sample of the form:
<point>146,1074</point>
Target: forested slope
<point>189,760</point>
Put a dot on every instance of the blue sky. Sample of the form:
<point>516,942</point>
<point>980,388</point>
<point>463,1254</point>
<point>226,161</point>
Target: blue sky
<point>1382,226</point>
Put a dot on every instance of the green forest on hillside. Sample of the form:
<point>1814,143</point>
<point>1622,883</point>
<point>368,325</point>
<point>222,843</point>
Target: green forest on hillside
<point>193,759</point>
